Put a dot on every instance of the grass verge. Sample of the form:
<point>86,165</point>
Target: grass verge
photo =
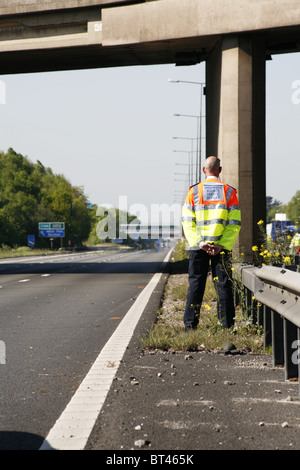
<point>168,332</point>
<point>25,251</point>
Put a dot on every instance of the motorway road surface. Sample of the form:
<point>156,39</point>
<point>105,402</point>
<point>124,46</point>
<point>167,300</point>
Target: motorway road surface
<point>56,314</point>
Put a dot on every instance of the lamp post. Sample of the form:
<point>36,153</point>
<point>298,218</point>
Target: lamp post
<point>202,85</point>
<point>189,164</point>
<point>198,148</point>
<point>191,139</point>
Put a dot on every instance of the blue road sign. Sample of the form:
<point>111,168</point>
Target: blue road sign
<point>51,233</point>
<point>31,240</point>
<point>52,229</point>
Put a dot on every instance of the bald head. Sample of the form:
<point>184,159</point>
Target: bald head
<point>212,166</point>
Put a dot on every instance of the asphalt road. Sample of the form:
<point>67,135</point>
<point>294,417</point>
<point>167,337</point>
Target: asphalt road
<point>56,314</point>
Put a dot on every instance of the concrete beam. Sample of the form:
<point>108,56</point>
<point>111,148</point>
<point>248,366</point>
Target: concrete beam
<point>170,19</point>
<point>90,34</point>
<point>72,39</point>
<point>16,7</point>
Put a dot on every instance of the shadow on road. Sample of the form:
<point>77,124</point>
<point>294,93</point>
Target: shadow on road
<point>104,267</point>
<point>16,440</point>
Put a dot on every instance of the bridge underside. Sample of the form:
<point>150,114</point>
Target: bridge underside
<point>81,38</point>
<point>97,56</point>
<point>181,52</point>
<point>234,42</point>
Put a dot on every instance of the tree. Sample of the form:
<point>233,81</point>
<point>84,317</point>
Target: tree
<point>273,206</point>
<point>31,193</point>
<point>293,208</point>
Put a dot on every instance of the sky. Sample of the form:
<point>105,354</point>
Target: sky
<point>114,131</point>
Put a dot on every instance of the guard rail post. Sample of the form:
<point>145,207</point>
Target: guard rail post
<point>277,339</point>
<point>267,326</point>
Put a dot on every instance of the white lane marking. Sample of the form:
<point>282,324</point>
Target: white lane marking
<point>73,428</point>
<point>24,280</point>
<point>45,275</point>
<point>284,401</point>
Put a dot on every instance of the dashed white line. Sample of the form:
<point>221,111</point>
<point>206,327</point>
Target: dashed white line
<point>24,280</point>
<point>266,400</point>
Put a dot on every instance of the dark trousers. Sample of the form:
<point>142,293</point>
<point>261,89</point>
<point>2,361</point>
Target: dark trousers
<point>221,273</point>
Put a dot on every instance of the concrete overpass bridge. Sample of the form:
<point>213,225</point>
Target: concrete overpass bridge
<point>233,37</point>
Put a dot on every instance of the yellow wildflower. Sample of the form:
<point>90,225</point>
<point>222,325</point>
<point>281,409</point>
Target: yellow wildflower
<point>207,307</point>
<point>260,222</point>
<point>254,248</point>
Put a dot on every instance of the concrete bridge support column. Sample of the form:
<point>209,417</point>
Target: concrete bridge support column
<point>235,123</point>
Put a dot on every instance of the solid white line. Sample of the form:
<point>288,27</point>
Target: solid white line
<point>73,428</point>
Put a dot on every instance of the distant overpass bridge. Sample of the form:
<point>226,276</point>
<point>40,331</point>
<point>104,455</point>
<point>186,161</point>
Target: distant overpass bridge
<point>233,37</point>
<point>152,232</point>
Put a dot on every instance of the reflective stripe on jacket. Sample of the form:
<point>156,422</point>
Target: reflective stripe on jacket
<point>211,213</point>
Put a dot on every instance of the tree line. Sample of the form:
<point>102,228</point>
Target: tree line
<point>31,193</point>
<point>291,209</point>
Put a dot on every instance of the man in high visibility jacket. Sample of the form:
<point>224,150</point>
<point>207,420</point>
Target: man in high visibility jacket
<point>211,221</point>
<point>295,244</point>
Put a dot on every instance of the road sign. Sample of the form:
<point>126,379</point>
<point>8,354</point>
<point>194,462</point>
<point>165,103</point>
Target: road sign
<point>51,225</point>
<point>52,229</point>
<point>31,240</point>
<point>52,233</point>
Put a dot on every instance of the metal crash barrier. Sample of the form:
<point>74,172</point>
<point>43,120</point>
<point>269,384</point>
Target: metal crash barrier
<point>273,297</point>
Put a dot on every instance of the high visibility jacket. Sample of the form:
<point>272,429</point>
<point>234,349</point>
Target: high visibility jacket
<point>211,213</point>
<point>296,240</point>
